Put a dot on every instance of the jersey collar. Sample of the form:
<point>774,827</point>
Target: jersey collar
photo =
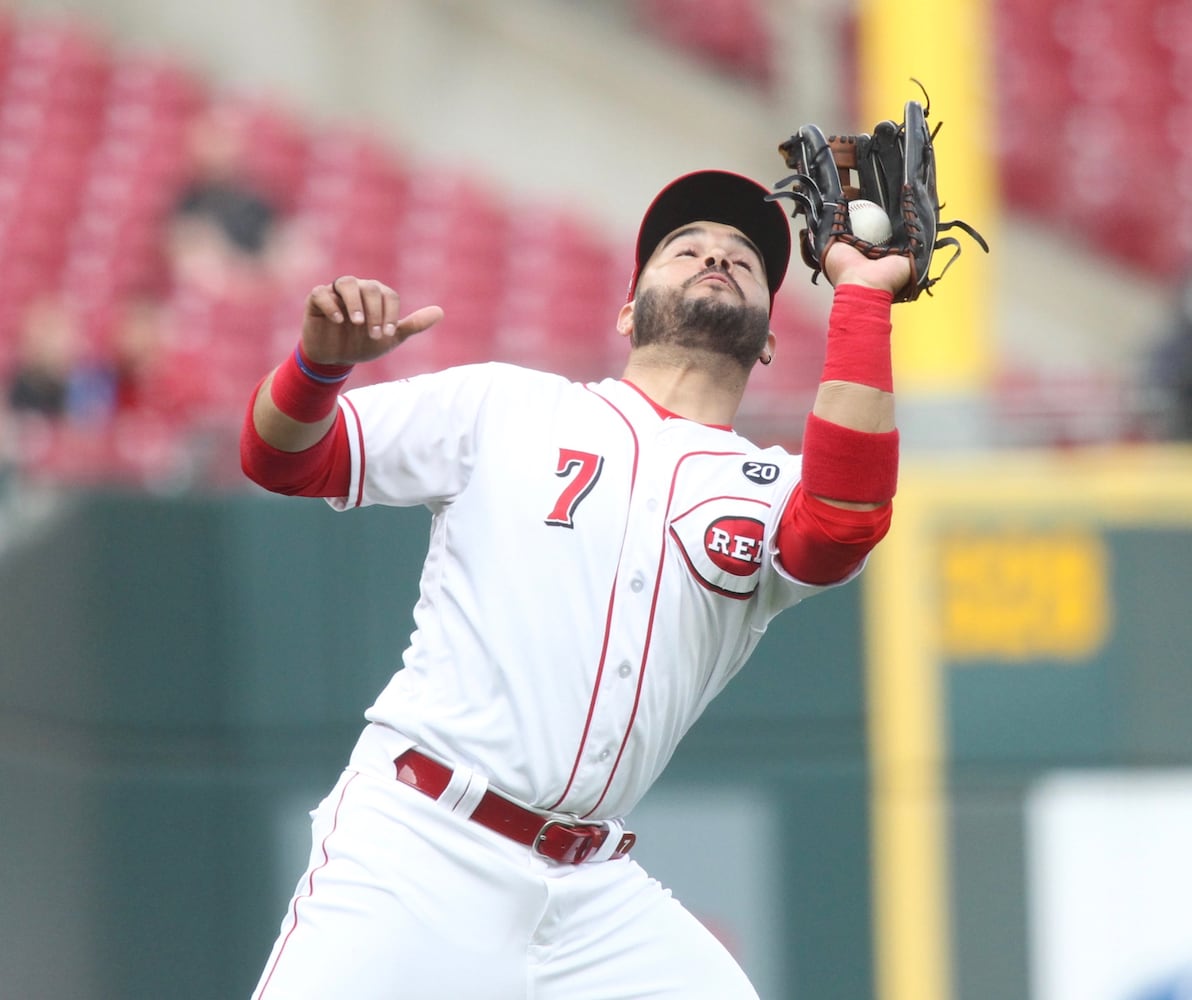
<point>666,414</point>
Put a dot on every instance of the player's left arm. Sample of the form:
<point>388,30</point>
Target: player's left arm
<point>294,438</point>
<point>842,507</point>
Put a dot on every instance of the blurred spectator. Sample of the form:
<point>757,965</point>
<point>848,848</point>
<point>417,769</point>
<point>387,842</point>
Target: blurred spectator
<point>52,376</point>
<point>1171,373</point>
<point>115,410</point>
<point>139,366</point>
<point>222,225</point>
<point>59,377</point>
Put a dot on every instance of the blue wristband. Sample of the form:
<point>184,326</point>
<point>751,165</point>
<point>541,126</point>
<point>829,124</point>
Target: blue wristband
<point>329,375</point>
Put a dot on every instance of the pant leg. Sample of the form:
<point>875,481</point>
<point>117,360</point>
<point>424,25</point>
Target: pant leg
<point>403,899</point>
<point>613,933</point>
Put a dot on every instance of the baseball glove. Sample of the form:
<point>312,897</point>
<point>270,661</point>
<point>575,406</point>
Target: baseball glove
<point>894,167</point>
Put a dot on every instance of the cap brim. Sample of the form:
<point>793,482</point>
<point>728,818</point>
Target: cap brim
<point>727,198</point>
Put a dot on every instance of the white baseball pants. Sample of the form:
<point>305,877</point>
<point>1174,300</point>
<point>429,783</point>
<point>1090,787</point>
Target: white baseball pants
<point>405,899</point>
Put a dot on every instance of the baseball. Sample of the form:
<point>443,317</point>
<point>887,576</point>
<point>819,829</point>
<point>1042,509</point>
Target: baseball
<point>869,221</point>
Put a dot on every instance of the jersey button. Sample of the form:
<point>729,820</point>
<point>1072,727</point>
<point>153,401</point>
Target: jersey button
<point>625,669</point>
<point>637,583</point>
<point>604,754</point>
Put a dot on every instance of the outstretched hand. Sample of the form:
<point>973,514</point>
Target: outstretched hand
<point>846,265</point>
<point>357,319</point>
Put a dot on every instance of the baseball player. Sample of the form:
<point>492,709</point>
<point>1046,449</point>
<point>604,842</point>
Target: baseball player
<point>603,558</point>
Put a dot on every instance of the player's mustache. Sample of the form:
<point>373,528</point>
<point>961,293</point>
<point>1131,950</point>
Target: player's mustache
<point>720,272</point>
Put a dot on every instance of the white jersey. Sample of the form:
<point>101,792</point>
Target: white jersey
<point>596,573</point>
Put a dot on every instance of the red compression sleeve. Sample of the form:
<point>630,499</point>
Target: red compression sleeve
<point>820,544</point>
<point>324,470</point>
<point>858,348</point>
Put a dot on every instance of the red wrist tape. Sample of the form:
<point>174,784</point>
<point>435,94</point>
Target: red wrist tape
<point>847,465</point>
<point>858,348</point>
<point>305,390</point>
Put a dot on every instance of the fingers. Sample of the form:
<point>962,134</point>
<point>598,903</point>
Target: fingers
<point>371,307</point>
<point>419,320</point>
<point>366,303</point>
<point>324,303</point>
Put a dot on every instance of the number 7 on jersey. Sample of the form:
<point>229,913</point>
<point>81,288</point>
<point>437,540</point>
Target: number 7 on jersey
<point>581,469</point>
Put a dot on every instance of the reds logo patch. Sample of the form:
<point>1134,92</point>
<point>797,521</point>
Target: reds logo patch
<point>723,544</point>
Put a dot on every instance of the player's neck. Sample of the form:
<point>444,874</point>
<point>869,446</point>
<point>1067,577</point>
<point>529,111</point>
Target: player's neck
<point>701,387</point>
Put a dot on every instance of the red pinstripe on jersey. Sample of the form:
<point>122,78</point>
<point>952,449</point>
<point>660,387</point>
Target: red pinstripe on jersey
<point>641,673</point>
<point>357,496</point>
<point>607,618</point>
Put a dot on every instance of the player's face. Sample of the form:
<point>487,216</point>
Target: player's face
<point>709,259</point>
<point>705,289</point>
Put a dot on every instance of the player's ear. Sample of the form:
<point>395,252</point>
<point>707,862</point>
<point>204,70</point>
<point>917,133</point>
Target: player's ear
<point>767,354</point>
<point>625,319</point>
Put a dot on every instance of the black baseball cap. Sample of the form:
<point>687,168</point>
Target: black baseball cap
<point>724,197</point>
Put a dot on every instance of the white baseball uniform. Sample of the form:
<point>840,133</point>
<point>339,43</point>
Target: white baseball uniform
<point>597,572</point>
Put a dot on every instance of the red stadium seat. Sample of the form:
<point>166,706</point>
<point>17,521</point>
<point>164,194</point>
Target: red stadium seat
<point>146,83</point>
<point>731,35</point>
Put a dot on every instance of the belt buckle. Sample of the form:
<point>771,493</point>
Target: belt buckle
<point>584,844</point>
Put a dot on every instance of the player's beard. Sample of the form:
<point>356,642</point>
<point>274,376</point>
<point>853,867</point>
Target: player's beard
<point>666,317</point>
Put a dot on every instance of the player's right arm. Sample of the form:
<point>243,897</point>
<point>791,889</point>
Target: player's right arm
<point>288,444</point>
<point>841,509</point>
